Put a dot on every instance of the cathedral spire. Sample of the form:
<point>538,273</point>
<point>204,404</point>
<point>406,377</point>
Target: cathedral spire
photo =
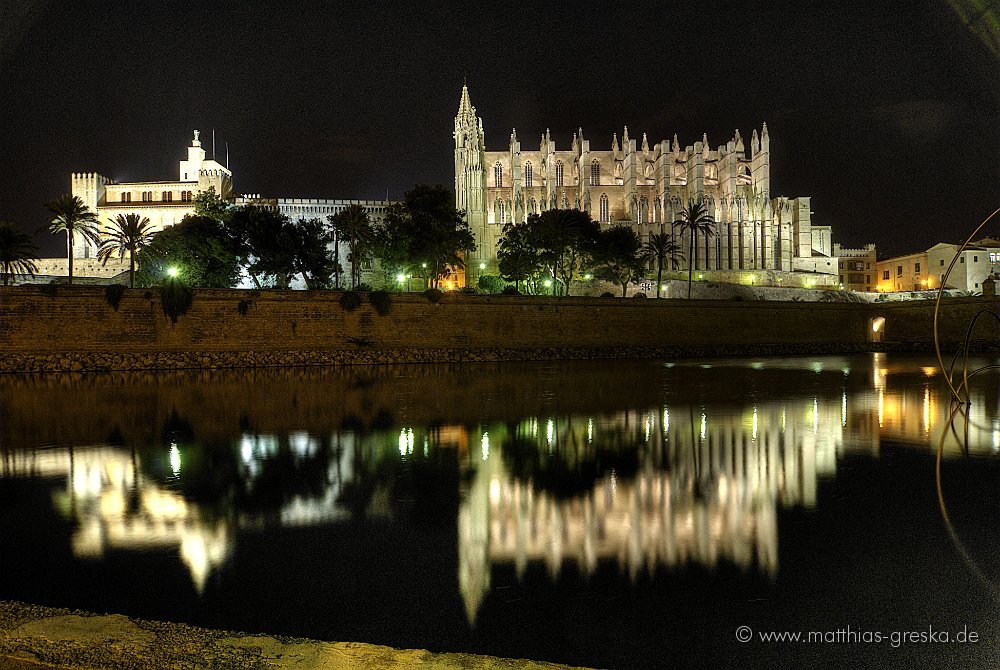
<point>614,144</point>
<point>465,105</point>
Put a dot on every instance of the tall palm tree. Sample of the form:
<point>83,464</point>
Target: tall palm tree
<point>354,225</point>
<point>663,248</point>
<point>73,217</point>
<point>694,219</point>
<point>128,233</point>
<point>18,252</point>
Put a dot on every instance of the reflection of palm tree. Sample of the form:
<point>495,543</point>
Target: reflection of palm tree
<point>73,217</point>
<point>694,220</point>
<point>662,247</point>
<point>127,233</point>
<point>18,252</point>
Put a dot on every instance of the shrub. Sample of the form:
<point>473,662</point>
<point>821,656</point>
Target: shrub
<point>639,295</point>
<point>244,306</point>
<point>491,283</point>
<point>350,301</point>
<point>510,290</point>
<point>468,290</point>
<point>114,293</point>
<point>381,301</point>
<point>176,299</point>
<point>607,294</point>
<point>363,288</point>
<point>433,295</point>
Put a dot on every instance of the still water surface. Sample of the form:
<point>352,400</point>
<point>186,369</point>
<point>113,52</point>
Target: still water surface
<point>612,514</point>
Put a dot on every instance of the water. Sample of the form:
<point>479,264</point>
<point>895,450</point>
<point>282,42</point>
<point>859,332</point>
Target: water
<point>611,514</point>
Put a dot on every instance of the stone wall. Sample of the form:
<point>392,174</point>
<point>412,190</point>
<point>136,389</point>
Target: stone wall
<point>74,328</point>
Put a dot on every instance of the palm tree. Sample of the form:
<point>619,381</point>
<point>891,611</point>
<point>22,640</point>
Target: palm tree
<point>73,217</point>
<point>128,233</point>
<point>663,248</point>
<point>354,225</point>
<point>18,252</point>
<point>694,219</point>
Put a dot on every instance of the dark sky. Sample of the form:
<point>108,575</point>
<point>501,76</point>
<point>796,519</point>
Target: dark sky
<point>887,118</point>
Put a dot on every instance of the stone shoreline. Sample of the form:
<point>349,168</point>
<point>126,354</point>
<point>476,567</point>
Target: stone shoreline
<point>87,361</point>
<point>33,637</point>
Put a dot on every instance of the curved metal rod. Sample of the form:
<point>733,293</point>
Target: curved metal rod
<point>952,533</point>
<point>937,304</point>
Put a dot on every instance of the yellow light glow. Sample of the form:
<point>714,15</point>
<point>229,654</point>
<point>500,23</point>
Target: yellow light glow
<point>172,271</point>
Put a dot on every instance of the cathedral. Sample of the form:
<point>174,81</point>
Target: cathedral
<point>645,186</point>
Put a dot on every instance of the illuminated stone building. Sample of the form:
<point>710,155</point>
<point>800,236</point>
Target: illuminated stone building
<point>166,203</point>
<point>645,186</point>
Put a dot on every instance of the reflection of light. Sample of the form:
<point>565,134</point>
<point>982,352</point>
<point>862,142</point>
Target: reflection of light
<point>494,491</point>
<point>755,423</point>
<point>996,437</point>
<point>175,459</point>
<point>927,410</point>
<point>649,427</point>
<point>550,431</point>
<point>406,442</point>
<point>815,415</point>
<point>666,420</point>
<point>843,408</point>
<point>486,446</point>
<point>704,425</point>
<point>881,406</point>
<point>782,419</point>
<point>929,371</point>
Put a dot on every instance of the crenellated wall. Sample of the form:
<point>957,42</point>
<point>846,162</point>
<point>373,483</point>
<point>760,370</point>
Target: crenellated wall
<point>74,328</point>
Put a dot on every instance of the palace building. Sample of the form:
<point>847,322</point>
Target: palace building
<point>645,186</point>
<point>166,203</point>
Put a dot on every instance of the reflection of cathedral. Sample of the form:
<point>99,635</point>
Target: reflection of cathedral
<point>715,498</point>
<point>658,488</point>
<point>644,186</point>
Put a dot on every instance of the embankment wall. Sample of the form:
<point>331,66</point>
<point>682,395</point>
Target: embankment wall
<point>75,328</point>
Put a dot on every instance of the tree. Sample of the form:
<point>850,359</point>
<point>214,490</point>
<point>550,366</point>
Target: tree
<point>311,255</point>
<point>617,258</point>
<point>563,238</point>
<point>662,248</point>
<point>352,224</point>
<point>426,229</point>
<point>18,252</point>
<point>266,242</point>
<point>694,219</point>
<point>519,260</point>
<point>127,233</point>
<point>200,248</point>
<point>73,217</point>
<point>207,203</point>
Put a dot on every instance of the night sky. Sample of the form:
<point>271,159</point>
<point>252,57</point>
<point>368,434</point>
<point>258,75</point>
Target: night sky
<point>888,119</point>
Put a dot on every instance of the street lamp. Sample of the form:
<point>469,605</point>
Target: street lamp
<point>172,272</point>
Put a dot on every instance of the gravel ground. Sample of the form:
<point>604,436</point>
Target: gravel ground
<point>44,638</point>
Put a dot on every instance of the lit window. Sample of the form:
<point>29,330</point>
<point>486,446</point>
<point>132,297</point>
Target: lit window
<point>528,174</point>
<point>605,211</point>
<point>595,173</point>
<point>498,175</point>
<point>559,173</point>
<point>503,212</point>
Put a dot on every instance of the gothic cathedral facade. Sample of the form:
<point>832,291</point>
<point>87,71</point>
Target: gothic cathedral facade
<point>644,187</point>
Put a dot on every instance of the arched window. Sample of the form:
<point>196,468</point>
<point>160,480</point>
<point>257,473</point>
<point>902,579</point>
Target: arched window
<point>595,173</point>
<point>605,209</point>
<point>503,212</point>
<point>168,196</point>
<point>559,173</point>
<point>528,174</point>
<point>498,175</point>
<point>643,210</point>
